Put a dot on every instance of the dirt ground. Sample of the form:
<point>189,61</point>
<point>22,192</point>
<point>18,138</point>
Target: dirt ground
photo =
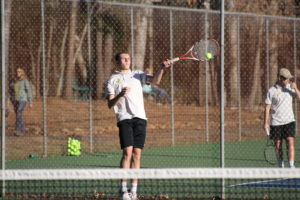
<point>66,118</point>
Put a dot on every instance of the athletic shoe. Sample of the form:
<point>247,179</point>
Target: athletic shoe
<point>125,196</point>
<point>18,133</point>
<point>133,196</point>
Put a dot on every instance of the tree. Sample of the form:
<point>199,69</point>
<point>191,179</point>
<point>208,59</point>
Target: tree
<point>204,73</point>
<point>6,35</point>
<point>62,63</point>
<point>274,9</point>
<point>108,43</point>
<point>255,87</point>
<point>150,42</point>
<point>71,45</point>
<point>231,28</point>
<point>99,66</point>
<point>141,17</point>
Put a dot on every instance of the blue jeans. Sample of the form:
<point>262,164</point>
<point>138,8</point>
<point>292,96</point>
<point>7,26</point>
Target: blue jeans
<point>161,93</point>
<point>19,108</point>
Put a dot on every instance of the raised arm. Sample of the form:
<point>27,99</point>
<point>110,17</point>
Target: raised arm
<point>294,86</point>
<point>158,75</point>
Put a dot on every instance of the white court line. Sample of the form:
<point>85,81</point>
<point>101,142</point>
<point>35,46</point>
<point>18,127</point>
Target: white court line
<point>260,182</point>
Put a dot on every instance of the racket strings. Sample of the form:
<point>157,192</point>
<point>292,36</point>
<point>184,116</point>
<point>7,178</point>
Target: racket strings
<point>204,46</point>
<point>270,152</point>
<point>270,155</point>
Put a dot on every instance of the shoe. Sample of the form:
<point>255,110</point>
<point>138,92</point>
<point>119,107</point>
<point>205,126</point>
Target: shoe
<point>133,196</point>
<point>125,196</point>
<point>18,133</point>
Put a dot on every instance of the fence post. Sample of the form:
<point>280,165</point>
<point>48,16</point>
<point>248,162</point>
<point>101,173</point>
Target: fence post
<point>172,80</point>
<point>3,77</point>
<point>222,132</point>
<point>295,67</point>
<point>239,80</point>
<point>91,77</point>
<point>45,153</point>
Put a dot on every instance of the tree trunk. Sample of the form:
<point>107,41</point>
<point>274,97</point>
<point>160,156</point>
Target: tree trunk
<point>214,85</point>
<point>62,64</point>
<point>78,53</point>
<point>100,67</point>
<point>108,43</point>
<point>38,80</point>
<point>273,8</point>
<point>232,89</point>
<point>256,83</point>
<point>204,73</point>
<point>150,41</point>
<point>34,66</point>
<point>273,51</point>
<point>71,46</point>
<point>142,15</point>
<point>7,38</point>
<point>54,79</point>
<point>49,55</point>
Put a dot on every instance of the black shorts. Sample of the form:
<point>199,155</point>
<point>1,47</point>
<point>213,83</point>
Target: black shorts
<point>283,131</point>
<point>132,132</point>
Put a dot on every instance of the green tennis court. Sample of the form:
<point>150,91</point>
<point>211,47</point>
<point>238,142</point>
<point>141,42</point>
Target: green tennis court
<point>237,154</point>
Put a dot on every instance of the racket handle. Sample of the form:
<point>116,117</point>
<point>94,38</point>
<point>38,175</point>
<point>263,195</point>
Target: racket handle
<point>267,132</point>
<point>175,59</point>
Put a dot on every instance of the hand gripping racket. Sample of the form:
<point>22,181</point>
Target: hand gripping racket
<point>269,151</point>
<point>204,50</point>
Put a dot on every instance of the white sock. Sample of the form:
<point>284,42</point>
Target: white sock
<point>134,187</point>
<point>124,186</point>
<point>281,164</point>
<point>291,163</point>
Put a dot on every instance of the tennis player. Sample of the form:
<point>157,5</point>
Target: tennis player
<point>282,123</point>
<point>125,95</point>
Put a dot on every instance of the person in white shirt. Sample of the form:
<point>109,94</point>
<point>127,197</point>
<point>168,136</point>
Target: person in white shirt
<point>279,117</point>
<point>124,94</point>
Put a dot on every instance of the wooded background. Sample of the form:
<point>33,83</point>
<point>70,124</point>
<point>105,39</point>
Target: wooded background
<point>267,41</point>
<point>59,41</point>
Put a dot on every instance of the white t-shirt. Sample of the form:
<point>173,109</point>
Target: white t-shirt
<point>281,101</point>
<point>132,104</point>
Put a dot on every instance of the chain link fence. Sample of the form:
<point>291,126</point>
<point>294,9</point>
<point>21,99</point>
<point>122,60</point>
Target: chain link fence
<point>66,49</point>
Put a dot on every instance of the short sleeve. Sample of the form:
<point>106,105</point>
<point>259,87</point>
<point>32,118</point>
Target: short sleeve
<point>268,99</point>
<point>140,75</point>
<point>109,89</point>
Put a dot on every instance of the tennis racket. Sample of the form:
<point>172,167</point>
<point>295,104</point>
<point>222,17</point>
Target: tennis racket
<point>269,152</point>
<point>204,50</point>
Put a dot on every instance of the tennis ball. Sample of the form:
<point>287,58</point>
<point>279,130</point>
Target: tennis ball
<point>208,55</point>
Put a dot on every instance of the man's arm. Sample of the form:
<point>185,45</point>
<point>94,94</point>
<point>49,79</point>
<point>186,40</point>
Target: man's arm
<point>294,86</point>
<point>267,116</point>
<point>113,100</point>
<point>158,75</point>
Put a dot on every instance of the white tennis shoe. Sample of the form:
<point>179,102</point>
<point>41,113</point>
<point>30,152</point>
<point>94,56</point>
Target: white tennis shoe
<point>125,196</point>
<point>133,196</point>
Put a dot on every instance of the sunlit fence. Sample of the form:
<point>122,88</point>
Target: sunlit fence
<point>67,49</point>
